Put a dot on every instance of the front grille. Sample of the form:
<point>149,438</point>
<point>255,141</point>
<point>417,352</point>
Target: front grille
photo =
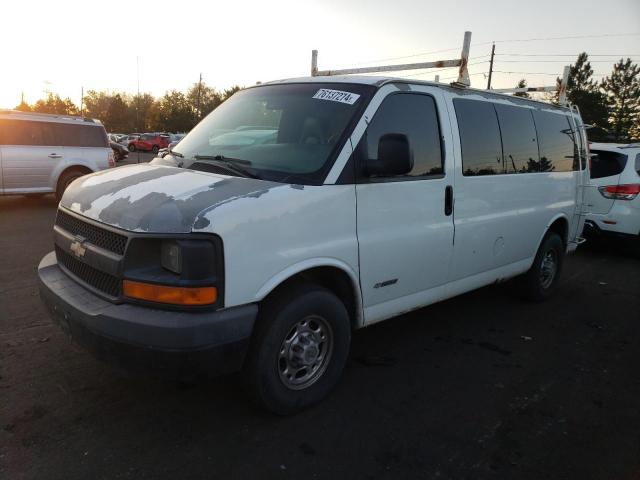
<point>100,237</point>
<point>99,280</point>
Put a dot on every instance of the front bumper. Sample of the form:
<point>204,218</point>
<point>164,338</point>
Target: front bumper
<point>169,343</point>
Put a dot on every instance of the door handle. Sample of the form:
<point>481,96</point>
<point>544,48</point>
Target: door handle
<point>54,155</point>
<point>448,200</point>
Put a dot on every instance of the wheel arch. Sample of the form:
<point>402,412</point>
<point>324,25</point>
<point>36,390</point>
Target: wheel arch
<point>330,273</point>
<point>558,224</point>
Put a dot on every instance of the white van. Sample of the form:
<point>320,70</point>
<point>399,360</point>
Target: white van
<point>612,197</point>
<point>300,210</point>
<point>44,153</point>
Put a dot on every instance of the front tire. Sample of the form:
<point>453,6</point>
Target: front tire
<point>299,349</point>
<point>540,282</point>
<point>155,149</point>
<point>132,147</point>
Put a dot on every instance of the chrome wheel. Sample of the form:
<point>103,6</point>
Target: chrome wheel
<point>305,352</point>
<point>548,268</point>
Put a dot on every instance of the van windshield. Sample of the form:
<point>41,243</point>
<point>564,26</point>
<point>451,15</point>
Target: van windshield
<point>286,133</point>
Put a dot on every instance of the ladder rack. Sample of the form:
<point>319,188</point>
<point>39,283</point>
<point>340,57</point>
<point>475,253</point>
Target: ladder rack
<point>462,62</point>
<point>560,87</point>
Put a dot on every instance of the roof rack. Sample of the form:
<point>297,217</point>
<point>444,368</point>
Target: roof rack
<point>463,73</point>
<point>560,87</point>
<point>50,115</point>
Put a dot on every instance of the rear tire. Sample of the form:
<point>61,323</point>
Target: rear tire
<point>155,149</point>
<point>540,282</point>
<point>298,350</point>
<point>65,180</point>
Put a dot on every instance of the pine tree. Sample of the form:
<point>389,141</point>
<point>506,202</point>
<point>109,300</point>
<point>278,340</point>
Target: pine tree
<point>622,91</point>
<point>522,84</point>
<point>584,92</point>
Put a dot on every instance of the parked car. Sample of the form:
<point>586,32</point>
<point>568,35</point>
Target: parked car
<point>350,202</point>
<point>613,200</point>
<point>129,138</point>
<point>149,142</point>
<point>120,152</point>
<point>42,153</point>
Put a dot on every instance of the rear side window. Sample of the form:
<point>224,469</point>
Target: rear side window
<point>479,137</point>
<point>71,135</point>
<point>607,164</point>
<point>415,116</point>
<point>18,132</point>
<point>638,164</point>
<point>555,138</point>
<point>519,142</point>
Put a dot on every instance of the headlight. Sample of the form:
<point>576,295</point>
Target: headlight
<point>171,257</point>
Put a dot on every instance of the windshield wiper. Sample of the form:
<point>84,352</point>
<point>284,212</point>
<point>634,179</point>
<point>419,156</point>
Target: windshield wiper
<point>229,164</point>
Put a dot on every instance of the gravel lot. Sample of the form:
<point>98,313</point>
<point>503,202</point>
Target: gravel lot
<point>481,386</point>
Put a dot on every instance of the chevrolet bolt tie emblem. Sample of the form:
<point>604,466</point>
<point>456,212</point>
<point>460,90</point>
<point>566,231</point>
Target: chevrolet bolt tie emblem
<point>77,248</point>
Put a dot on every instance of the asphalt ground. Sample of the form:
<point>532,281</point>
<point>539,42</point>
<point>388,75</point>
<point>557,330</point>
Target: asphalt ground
<point>480,386</point>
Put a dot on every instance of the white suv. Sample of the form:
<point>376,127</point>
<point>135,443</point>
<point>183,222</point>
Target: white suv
<point>44,153</point>
<point>613,200</point>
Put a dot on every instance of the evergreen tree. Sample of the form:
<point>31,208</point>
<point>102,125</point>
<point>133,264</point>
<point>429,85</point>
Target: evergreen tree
<point>622,90</point>
<point>522,84</point>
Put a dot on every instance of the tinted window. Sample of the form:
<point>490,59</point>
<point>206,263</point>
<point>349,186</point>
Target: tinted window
<point>519,142</point>
<point>71,135</point>
<point>555,139</point>
<point>415,116</point>
<point>638,163</point>
<point>607,164</point>
<point>479,137</point>
<point>18,132</point>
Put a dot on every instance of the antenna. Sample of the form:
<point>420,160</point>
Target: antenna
<point>462,62</point>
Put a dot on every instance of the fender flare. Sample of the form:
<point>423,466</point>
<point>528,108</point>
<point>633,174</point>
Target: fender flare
<point>278,279</point>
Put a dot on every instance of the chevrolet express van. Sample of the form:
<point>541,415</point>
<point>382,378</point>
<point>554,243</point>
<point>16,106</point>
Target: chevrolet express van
<point>301,210</point>
<point>43,153</point>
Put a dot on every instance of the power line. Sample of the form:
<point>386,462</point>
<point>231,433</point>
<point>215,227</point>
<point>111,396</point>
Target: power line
<point>430,72</point>
<point>540,39</point>
<point>551,61</point>
<point>557,74</point>
<point>567,54</point>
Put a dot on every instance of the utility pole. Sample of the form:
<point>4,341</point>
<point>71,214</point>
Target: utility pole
<point>81,101</point>
<point>493,51</point>
<point>198,102</point>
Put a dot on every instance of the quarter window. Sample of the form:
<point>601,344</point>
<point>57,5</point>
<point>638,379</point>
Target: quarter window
<point>518,139</point>
<point>415,116</point>
<point>555,138</point>
<point>479,137</point>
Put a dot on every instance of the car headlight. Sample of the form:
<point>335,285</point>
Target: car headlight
<point>186,270</point>
<point>171,257</point>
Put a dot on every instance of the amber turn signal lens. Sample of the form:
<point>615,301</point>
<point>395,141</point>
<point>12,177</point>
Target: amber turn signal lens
<point>169,294</point>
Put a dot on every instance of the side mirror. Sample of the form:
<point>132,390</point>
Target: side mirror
<point>394,156</point>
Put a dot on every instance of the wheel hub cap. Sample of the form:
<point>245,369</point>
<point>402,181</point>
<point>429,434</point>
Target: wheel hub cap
<point>548,269</point>
<point>305,353</point>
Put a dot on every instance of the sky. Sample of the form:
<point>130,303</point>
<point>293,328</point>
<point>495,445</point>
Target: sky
<point>65,46</point>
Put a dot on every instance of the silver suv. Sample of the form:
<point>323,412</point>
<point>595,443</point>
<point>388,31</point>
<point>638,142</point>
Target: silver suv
<point>43,153</point>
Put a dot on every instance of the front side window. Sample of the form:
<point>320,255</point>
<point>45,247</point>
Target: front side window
<point>607,164</point>
<point>479,137</point>
<point>287,133</point>
<point>555,137</point>
<point>415,116</point>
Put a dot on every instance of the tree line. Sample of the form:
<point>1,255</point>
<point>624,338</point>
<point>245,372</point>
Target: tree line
<point>611,106</point>
<point>175,111</point>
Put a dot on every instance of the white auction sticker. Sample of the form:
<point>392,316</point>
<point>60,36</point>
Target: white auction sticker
<point>336,96</point>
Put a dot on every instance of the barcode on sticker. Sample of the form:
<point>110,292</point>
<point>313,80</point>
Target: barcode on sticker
<point>336,96</point>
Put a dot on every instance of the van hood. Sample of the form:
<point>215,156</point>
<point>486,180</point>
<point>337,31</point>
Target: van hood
<point>157,199</point>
